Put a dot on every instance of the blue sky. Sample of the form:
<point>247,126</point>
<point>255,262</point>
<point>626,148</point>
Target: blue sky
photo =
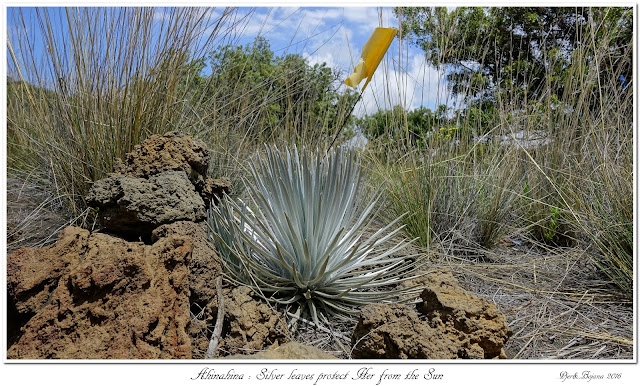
<point>335,36</point>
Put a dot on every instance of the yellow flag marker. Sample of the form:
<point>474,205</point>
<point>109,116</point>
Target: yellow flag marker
<point>372,53</point>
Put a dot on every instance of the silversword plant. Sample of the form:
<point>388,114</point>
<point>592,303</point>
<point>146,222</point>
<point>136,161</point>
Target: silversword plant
<point>305,241</point>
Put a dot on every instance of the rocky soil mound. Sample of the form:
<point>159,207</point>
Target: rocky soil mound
<point>454,324</point>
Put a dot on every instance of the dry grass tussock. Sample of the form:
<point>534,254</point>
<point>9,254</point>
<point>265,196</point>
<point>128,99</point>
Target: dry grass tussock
<point>34,216</point>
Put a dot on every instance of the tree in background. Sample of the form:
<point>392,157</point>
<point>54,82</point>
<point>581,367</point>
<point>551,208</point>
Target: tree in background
<point>522,51</point>
<point>269,95</point>
<point>388,127</point>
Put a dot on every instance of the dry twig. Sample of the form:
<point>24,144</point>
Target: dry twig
<point>217,331</point>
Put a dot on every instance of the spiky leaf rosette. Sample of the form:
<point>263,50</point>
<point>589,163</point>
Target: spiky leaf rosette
<point>306,241</point>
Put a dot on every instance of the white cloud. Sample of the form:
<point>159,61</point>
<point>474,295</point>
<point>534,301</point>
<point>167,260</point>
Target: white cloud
<point>160,15</point>
<point>333,50</point>
<point>361,17</point>
<point>409,84</point>
<point>318,17</point>
<point>325,57</point>
<point>255,24</point>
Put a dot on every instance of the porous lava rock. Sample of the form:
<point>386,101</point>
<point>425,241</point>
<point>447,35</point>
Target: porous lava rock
<point>450,308</point>
<point>173,152</point>
<point>33,274</point>
<point>291,350</point>
<point>112,299</point>
<point>455,324</point>
<point>204,268</point>
<point>213,189</point>
<point>250,325</point>
<point>135,206</point>
<point>162,153</point>
<point>146,289</point>
<point>394,331</point>
<point>162,180</point>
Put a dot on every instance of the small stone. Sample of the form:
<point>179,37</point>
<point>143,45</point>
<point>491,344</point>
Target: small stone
<point>450,308</point>
<point>135,206</point>
<point>249,324</point>
<point>394,331</point>
<point>458,325</point>
<point>214,189</point>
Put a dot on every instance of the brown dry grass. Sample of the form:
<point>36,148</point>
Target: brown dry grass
<point>556,303</point>
<point>34,216</point>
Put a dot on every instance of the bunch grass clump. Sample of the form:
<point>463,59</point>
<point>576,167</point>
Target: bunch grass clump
<point>307,240</point>
<point>107,80</point>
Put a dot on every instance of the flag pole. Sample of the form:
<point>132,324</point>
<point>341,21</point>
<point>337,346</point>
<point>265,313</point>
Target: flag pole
<point>344,122</point>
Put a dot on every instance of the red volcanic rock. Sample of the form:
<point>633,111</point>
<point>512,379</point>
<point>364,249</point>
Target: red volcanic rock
<point>112,299</point>
<point>456,325</point>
